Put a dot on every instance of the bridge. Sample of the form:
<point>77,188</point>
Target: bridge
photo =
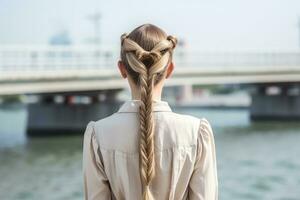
<point>47,71</point>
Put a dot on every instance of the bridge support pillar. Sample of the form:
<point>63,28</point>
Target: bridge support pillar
<point>185,93</point>
<point>275,103</point>
<point>48,117</point>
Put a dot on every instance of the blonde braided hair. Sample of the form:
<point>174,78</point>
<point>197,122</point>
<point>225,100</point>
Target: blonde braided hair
<point>146,68</point>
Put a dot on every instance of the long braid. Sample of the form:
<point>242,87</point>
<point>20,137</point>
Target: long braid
<point>147,136</point>
<point>134,56</point>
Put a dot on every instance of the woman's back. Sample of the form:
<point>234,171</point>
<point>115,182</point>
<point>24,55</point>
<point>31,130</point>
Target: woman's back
<point>185,163</point>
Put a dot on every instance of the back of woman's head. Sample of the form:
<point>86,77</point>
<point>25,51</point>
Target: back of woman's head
<point>146,53</point>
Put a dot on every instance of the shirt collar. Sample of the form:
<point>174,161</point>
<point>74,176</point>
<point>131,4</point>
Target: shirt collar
<point>133,105</point>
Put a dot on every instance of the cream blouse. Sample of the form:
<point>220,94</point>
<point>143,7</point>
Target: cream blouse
<point>184,154</point>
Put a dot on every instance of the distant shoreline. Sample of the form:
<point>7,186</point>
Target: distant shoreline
<point>213,107</point>
<point>20,105</point>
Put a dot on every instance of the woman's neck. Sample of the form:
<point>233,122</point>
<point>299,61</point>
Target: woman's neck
<point>156,94</point>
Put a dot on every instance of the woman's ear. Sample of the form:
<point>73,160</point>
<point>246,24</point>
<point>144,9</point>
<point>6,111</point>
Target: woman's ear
<point>122,69</point>
<point>170,69</point>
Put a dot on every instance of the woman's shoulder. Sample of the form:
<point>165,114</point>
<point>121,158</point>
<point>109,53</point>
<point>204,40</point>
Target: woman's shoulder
<point>92,125</point>
<point>185,119</point>
<point>201,125</point>
<point>205,127</point>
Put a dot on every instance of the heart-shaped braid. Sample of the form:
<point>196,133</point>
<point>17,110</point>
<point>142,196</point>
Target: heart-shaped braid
<point>134,56</point>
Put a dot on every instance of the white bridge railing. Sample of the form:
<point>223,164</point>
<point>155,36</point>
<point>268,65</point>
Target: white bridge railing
<point>44,58</point>
<point>32,58</point>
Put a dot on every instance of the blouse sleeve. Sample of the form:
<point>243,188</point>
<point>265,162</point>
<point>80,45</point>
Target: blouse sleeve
<point>204,182</point>
<point>96,185</point>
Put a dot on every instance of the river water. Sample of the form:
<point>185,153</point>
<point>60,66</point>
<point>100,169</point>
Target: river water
<point>259,161</point>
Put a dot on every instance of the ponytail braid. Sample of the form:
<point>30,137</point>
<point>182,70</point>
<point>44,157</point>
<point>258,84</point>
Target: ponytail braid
<point>133,56</point>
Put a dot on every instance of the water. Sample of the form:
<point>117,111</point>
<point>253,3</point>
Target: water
<point>255,160</point>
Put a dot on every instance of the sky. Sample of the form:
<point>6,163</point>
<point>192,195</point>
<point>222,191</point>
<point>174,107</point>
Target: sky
<point>206,25</point>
